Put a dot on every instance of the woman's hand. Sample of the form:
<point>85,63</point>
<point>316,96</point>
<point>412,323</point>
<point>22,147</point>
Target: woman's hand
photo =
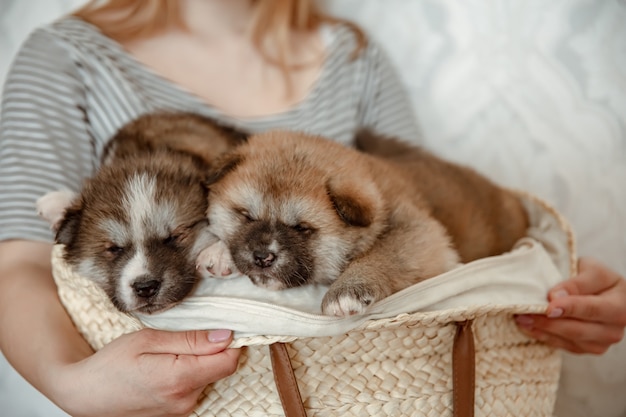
<point>586,314</point>
<point>147,373</point>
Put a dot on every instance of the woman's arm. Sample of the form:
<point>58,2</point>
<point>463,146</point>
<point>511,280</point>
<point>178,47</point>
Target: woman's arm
<point>46,143</point>
<point>147,373</point>
<point>586,314</point>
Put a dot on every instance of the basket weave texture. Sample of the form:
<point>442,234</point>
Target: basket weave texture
<point>388,367</point>
<point>400,366</point>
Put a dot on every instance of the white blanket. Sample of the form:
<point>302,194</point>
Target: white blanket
<point>521,277</point>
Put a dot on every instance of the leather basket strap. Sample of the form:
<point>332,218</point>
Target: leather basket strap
<point>463,374</point>
<point>286,383</point>
<point>463,370</point>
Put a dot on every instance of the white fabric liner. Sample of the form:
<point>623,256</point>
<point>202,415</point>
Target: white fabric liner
<point>522,276</point>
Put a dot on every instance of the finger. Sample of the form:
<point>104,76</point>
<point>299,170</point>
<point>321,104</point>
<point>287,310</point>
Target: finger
<point>607,309</point>
<point>199,371</point>
<point>208,369</point>
<point>196,342</point>
<point>592,278</point>
<point>558,342</point>
<point>577,331</point>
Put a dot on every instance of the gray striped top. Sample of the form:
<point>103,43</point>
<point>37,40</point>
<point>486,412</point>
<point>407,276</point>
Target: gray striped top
<point>70,88</point>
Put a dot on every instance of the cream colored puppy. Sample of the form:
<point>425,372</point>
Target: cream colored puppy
<point>294,209</point>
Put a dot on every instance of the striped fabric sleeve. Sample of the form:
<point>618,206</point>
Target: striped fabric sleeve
<point>386,106</point>
<point>44,145</point>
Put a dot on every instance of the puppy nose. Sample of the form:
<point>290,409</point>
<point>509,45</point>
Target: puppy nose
<point>146,289</point>
<point>263,258</point>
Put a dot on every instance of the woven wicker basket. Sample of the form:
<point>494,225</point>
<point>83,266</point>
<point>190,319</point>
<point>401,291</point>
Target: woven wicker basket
<point>461,361</point>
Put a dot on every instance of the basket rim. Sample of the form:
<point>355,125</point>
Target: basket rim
<point>418,318</point>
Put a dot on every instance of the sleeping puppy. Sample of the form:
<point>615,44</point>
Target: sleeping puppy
<point>138,225</point>
<point>293,209</point>
<point>481,218</point>
<point>189,133</point>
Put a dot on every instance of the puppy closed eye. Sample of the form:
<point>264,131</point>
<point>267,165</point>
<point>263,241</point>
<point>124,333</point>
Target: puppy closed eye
<point>172,239</point>
<point>245,214</point>
<point>114,250</point>
<point>181,233</point>
<point>303,228</point>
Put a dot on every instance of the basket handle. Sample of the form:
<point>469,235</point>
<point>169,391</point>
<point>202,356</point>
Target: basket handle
<point>463,375</point>
<point>286,383</point>
<point>463,370</point>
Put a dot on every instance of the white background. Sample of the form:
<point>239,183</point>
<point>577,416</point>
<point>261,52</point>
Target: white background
<point>531,92</point>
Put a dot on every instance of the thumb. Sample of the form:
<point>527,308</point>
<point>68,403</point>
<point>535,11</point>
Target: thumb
<point>191,342</point>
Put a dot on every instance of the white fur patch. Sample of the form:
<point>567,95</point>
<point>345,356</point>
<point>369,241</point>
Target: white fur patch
<point>141,189</point>
<point>204,240</point>
<point>275,248</point>
<point>295,210</point>
<point>88,268</point>
<point>345,306</point>
<point>271,285</point>
<point>223,222</point>
<point>249,197</point>
<point>137,266</point>
<point>216,261</point>
<point>51,207</point>
<point>145,213</point>
<point>332,252</point>
<point>139,199</point>
<point>117,232</point>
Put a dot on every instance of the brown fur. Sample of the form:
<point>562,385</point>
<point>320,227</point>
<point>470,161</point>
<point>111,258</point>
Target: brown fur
<point>82,232</point>
<point>295,209</point>
<point>482,218</point>
<point>188,133</point>
<point>173,151</point>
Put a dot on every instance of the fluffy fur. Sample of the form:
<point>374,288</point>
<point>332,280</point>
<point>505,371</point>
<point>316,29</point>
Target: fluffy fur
<point>482,218</point>
<point>139,223</point>
<point>293,209</point>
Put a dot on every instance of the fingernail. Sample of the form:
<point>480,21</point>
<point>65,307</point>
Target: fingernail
<point>555,312</point>
<point>524,321</point>
<point>560,294</point>
<point>216,336</point>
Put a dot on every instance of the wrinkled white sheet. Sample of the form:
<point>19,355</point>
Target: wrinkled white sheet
<point>529,91</point>
<point>522,276</point>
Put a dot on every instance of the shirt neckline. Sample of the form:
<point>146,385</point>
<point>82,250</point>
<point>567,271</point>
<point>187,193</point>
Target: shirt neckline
<point>329,35</point>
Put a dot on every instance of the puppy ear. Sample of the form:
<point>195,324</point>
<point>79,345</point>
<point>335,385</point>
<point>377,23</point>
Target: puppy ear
<point>222,166</point>
<point>354,206</point>
<point>52,206</point>
<point>68,226</point>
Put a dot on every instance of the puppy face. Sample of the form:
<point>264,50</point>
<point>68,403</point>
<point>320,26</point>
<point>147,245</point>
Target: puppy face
<point>293,209</point>
<point>136,230</point>
<point>138,225</point>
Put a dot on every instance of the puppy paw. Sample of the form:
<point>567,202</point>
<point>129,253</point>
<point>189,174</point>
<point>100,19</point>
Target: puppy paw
<point>51,207</point>
<point>216,260</point>
<point>348,300</point>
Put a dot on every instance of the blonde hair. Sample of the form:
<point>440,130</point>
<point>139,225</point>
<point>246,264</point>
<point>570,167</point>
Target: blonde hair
<point>275,21</point>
